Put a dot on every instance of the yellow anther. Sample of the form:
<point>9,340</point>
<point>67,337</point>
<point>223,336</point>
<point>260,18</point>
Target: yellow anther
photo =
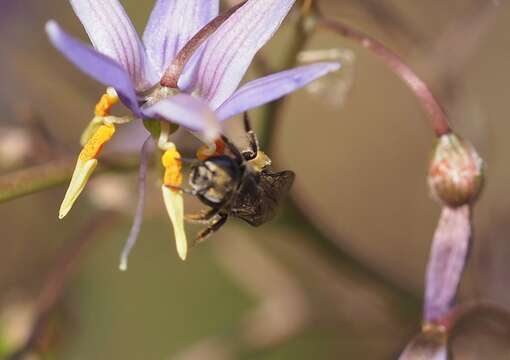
<point>206,151</point>
<point>96,142</point>
<point>107,101</point>
<point>172,196</point>
<point>174,203</point>
<point>85,166</point>
<point>172,163</point>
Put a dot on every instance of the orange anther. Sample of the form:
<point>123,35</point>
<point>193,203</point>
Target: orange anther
<point>205,152</point>
<point>95,144</point>
<point>172,163</point>
<point>104,105</point>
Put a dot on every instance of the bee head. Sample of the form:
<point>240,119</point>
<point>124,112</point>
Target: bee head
<point>215,178</point>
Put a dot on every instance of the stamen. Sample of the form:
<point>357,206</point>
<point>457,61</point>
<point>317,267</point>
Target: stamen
<point>96,135</point>
<point>174,203</point>
<point>95,144</point>
<point>172,163</point>
<point>215,149</point>
<point>87,162</point>
<point>106,102</point>
<point>173,198</point>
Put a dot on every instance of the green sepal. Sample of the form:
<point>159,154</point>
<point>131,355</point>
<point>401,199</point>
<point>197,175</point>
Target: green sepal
<point>153,127</point>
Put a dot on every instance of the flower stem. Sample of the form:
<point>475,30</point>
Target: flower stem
<point>416,84</point>
<point>294,212</point>
<point>41,177</point>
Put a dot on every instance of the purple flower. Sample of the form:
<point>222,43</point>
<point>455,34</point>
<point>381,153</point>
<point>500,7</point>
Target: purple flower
<point>205,87</point>
<point>132,67</point>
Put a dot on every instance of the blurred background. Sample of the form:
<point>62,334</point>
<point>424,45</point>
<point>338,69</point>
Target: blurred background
<point>348,287</point>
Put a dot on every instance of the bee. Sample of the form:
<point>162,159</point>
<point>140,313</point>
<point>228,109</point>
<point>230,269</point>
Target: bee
<point>238,183</point>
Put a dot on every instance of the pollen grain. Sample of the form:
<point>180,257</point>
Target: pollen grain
<point>95,144</point>
<point>172,163</point>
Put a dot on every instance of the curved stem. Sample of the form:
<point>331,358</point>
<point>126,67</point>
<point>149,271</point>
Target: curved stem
<point>41,177</point>
<point>416,84</point>
<point>294,213</point>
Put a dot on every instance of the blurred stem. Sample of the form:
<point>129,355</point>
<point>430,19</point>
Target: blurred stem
<point>56,281</point>
<point>294,212</point>
<point>421,90</point>
<point>49,175</point>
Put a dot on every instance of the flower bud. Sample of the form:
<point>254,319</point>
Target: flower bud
<point>455,172</point>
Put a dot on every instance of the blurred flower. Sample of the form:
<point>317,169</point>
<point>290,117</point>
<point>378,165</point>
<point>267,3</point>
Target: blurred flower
<point>16,323</point>
<point>111,192</point>
<point>334,88</point>
<point>185,72</point>
<point>456,171</point>
<point>15,146</point>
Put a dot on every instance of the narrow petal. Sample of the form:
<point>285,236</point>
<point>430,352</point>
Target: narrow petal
<point>94,64</point>
<point>272,87</point>
<point>112,34</point>
<point>174,203</point>
<point>147,149</point>
<point>229,52</point>
<point>446,264</point>
<point>188,111</point>
<point>171,24</point>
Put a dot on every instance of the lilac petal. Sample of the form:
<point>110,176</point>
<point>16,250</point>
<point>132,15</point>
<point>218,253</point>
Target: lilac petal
<point>171,24</point>
<point>446,264</point>
<point>272,87</point>
<point>147,149</point>
<point>191,112</point>
<point>94,64</point>
<point>112,34</point>
<point>229,52</point>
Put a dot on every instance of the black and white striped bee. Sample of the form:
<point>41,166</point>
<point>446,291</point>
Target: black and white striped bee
<point>239,184</point>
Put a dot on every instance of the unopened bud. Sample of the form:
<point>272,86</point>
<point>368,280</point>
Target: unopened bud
<point>455,172</point>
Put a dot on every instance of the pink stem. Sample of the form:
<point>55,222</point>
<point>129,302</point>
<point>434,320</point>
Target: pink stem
<point>418,86</point>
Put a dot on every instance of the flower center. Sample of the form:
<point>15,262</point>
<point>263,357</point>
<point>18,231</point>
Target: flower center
<point>159,93</point>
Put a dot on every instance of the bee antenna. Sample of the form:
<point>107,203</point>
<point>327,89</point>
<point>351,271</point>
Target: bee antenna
<point>247,122</point>
<point>235,151</point>
<point>252,137</point>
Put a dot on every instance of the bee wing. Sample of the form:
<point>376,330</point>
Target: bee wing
<point>259,196</point>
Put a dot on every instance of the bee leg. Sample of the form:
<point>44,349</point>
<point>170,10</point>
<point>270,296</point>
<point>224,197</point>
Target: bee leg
<point>203,217</point>
<point>252,138</point>
<point>215,226</point>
